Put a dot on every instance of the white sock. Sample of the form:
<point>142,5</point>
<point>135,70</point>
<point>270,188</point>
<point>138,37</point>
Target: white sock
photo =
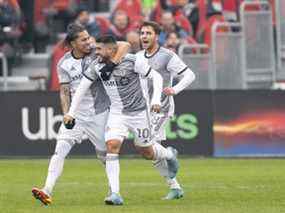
<point>56,165</point>
<point>173,183</point>
<point>101,155</point>
<point>161,167</point>
<point>113,171</point>
<point>161,152</point>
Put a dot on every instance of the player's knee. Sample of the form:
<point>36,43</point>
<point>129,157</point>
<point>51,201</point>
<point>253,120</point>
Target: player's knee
<point>113,146</point>
<point>62,149</point>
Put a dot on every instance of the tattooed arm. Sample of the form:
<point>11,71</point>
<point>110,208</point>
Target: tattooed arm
<point>65,99</point>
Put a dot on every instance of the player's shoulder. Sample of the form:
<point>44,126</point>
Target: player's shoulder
<point>166,52</point>
<point>129,58</point>
<point>64,61</point>
<point>88,59</point>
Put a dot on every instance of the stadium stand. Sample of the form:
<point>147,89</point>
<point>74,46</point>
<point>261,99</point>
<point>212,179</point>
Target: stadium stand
<point>197,57</point>
<point>280,39</point>
<point>254,22</point>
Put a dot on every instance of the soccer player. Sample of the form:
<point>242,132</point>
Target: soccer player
<point>168,64</point>
<point>92,112</point>
<point>128,110</point>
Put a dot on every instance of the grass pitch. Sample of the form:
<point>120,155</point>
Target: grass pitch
<point>210,185</point>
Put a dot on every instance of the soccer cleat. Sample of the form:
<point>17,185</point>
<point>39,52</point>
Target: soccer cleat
<point>174,194</point>
<point>42,196</point>
<point>172,164</point>
<point>114,199</point>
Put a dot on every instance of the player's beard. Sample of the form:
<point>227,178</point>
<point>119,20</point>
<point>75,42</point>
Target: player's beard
<point>102,59</point>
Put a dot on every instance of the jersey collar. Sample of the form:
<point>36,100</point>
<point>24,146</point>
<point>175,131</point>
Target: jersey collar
<point>149,56</point>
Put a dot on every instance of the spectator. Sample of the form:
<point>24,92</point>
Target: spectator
<point>132,8</point>
<point>191,11</point>
<point>169,25</point>
<point>83,18</point>
<point>172,41</point>
<point>147,6</point>
<point>133,38</point>
<point>204,35</point>
<point>9,32</point>
<point>60,13</point>
<point>120,25</point>
<point>161,6</point>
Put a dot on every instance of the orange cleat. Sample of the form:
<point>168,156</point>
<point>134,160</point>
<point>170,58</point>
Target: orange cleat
<point>42,196</point>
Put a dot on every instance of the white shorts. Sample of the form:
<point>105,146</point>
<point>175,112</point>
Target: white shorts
<point>119,125</point>
<point>158,122</point>
<point>94,128</point>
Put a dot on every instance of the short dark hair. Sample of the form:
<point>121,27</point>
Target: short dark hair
<point>72,32</point>
<point>155,26</point>
<point>106,39</point>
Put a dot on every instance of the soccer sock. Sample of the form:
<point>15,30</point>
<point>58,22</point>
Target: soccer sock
<point>161,167</point>
<point>101,155</point>
<point>173,183</point>
<point>161,152</point>
<point>56,165</point>
<point>113,171</point>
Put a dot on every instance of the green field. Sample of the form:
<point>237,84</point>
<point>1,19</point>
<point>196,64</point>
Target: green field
<point>210,185</point>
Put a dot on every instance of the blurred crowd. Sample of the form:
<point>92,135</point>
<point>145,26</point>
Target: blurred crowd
<point>35,24</point>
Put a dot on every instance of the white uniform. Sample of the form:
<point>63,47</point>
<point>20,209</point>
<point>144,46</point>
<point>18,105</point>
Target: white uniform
<point>168,64</point>
<point>92,111</point>
<point>129,106</point>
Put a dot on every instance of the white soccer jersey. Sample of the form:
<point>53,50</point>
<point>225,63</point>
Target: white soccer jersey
<point>70,71</point>
<point>124,87</point>
<point>168,64</point>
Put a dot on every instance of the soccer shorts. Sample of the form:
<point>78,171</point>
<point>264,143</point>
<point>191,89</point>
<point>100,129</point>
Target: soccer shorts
<point>119,125</point>
<point>93,127</point>
<point>158,122</point>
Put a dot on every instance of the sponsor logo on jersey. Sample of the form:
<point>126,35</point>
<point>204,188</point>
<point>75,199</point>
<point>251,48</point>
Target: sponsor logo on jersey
<point>121,81</point>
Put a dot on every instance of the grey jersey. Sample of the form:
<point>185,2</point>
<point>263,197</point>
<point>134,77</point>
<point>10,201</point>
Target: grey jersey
<point>69,71</point>
<point>101,99</point>
<point>124,87</point>
<point>168,64</point>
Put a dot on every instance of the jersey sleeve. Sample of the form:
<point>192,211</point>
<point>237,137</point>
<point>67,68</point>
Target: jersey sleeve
<point>63,75</point>
<point>141,66</point>
<point>176,66</point>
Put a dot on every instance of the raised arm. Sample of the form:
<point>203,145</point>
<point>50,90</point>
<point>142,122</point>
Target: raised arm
<point>123,48</point>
